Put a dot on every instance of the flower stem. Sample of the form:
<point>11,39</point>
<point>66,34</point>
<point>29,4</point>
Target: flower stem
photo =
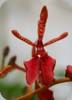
<point>36,91</point>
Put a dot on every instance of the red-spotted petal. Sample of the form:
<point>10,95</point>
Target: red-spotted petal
<point>47,70</point>
<point>42,22</point>
<point>32,70</point>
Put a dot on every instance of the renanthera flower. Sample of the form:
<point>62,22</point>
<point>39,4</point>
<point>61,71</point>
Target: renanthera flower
<point>41,66</point>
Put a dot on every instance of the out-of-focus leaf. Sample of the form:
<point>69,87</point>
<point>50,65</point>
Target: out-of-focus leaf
<point>10,92</point>
<point>34,97</point>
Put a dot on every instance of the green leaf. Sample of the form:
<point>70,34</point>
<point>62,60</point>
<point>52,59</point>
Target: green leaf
<point>11,91</point>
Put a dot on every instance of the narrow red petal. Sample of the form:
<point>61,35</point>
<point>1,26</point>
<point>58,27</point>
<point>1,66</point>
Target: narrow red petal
<point>42,21</point>
<point>17,34</point>
<point>32,70</point>
<point>47,70</point>
<point>69,71</point>
<point>44,13</point>
<point>62,36</point>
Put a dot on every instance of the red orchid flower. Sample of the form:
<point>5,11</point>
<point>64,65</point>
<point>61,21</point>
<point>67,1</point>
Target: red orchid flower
<point>68,72</point>
<point>41,66</point>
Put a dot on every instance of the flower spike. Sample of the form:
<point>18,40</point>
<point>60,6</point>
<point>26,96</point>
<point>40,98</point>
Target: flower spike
<point>42,22</point>
<point>62,36</point>
<point>17,34</point>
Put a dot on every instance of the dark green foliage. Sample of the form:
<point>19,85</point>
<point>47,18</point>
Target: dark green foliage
<point>10,91</point>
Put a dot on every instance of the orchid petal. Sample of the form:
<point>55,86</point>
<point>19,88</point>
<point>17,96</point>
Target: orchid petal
<point>42,22</point>
<point>17,34</point>
<point>47,70</point>
<point>32,70</point>
<point>46,95</point>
